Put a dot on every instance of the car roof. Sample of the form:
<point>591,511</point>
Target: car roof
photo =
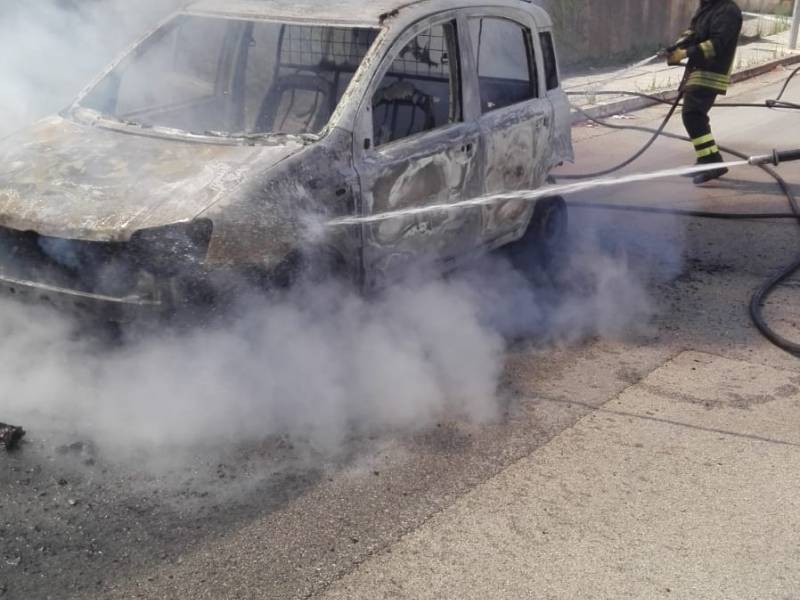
<point>362,12</point>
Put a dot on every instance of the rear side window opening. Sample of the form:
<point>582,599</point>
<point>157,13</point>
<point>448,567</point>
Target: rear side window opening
<point>550,64</point>
<point>504,54</point>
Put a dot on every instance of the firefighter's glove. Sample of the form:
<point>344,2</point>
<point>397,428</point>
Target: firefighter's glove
<point>675,57</point>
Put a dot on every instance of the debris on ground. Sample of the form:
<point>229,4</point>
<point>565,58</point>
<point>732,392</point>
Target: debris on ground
<point>86,451</point>
<point>10,436</point>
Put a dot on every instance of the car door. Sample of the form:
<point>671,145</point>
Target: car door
<point>515,117</point>
<point>561,137</point>
<point>421,151</point>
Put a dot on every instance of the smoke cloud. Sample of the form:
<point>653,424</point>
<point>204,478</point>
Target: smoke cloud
<point>52,48</point>
<point>315,369</point>
<point>318,364</point>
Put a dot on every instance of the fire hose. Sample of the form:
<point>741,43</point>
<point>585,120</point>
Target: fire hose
<point>764,162</point>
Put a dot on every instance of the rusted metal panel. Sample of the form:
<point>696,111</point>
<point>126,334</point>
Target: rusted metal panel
<point>280,209</point>
<point>350,11</point>
<point>344,11</point>
<point>434,168</point>
<point>65,179</point>
<point>560,149</point>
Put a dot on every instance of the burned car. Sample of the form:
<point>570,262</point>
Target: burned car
<point>224,140</point>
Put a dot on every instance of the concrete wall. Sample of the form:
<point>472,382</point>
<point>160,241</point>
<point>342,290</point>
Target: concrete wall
<point>767,6</point>
<point>604,30</point>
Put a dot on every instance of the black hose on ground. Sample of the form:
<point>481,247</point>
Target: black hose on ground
<point>777,103</point>
<point>786,83</point>
<point>683,212</point>
<point>656,134</point>
<point>763,293</point>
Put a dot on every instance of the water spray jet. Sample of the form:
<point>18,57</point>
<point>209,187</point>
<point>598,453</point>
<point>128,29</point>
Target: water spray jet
<point>775,158</point>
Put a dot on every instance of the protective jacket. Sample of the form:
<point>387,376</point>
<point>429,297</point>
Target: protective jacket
<point>710,43</point>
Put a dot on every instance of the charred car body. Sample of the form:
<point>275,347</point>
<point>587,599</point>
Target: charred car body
<point>211,145</point>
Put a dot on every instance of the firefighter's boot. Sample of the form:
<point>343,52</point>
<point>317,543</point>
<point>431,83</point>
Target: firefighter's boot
<point>706,176</point>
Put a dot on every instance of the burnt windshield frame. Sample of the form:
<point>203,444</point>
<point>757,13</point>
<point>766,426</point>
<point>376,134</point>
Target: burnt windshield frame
<point>111,81</point>
<point>334,55</point>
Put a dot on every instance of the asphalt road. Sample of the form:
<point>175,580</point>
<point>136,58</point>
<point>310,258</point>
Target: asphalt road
<point>273,522</point>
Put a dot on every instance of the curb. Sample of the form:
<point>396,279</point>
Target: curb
<point>626,105</point>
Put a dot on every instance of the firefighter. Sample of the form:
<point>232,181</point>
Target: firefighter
<point>710,45</point>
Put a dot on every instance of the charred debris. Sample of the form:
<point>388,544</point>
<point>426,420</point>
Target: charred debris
<point>10,436</point>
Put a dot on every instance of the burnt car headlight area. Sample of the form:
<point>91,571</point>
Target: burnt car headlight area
<point>159,268</point>
<point>172,250</point>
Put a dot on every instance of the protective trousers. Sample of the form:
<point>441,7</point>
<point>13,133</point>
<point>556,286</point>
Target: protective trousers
<point>697,103</point>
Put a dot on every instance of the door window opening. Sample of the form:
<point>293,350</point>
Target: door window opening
<point>422,89</point>
<point>504,54</point>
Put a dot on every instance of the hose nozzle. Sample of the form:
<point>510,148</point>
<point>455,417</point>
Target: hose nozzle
<point>775,158</point>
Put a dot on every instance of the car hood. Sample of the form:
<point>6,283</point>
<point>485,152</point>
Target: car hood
<point>63,179</point>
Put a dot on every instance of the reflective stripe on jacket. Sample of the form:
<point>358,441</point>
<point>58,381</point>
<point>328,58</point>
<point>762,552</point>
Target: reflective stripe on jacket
<point>711,44</point>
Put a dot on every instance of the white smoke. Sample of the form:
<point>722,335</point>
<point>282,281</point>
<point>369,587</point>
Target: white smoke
<point>318,365</point>
<point>52,48</point>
